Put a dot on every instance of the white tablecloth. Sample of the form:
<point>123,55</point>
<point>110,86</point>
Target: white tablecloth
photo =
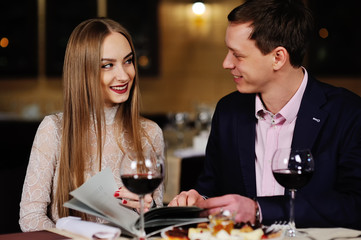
<point>332,233</point>
<point>315,233</point>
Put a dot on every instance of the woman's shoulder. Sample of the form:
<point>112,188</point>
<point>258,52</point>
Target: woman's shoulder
<point>149,125</point>
<point>55,118</point>
<point>52,122</point>
<point>154,133</point>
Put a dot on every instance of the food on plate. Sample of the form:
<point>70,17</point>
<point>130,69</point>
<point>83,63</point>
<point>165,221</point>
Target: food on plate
<point>246,232</point>
<point>221,227</point>
<point>177,233</point>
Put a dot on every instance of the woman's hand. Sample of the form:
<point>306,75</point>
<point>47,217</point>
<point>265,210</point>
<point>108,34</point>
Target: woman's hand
<point>189,198</point>
<point>131,200</point>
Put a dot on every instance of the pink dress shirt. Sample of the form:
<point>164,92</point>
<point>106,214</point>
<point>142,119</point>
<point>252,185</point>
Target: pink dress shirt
<point>274,131</point>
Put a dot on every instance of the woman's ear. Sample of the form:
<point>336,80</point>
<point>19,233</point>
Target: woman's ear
<point>280,56</point>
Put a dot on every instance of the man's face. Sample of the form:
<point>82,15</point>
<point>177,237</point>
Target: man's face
<point>251,70</point>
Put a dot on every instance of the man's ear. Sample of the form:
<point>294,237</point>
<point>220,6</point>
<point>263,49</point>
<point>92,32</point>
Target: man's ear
<point>280,56</point>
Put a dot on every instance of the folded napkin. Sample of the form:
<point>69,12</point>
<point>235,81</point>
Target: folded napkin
<point>87,229</point>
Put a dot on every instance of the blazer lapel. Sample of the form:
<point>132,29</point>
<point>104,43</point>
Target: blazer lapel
<point>310,117</point>
<point>245,127</point>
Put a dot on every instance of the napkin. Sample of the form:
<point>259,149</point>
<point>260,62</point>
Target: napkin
<point>87,229</point>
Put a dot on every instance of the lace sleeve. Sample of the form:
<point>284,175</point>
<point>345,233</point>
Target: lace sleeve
<point>156,136</point>
<point>38,184</point>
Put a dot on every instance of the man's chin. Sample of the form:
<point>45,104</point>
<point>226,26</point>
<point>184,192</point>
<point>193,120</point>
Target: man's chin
<point>244,90</point>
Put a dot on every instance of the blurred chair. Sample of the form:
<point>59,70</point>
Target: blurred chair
<point>16,139</point>
<point>191,168</point>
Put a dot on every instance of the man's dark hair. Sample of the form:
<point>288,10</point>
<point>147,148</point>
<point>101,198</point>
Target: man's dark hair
<point>286,23</point>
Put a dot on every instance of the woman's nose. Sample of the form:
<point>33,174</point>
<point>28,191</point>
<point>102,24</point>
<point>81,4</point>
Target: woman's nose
<point>121,74</point>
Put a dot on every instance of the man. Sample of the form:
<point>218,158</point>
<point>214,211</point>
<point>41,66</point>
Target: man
<point>278,104</point>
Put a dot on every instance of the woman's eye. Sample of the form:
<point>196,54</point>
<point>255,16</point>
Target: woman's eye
<point>109,65</point>
<point>129,61</point>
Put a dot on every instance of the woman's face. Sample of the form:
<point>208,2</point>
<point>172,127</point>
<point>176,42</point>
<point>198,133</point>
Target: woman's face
<point>117,69</point>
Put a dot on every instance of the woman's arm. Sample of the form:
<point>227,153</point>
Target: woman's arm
<point>37,189</point>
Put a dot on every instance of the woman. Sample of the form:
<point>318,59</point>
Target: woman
<point>99,128</point>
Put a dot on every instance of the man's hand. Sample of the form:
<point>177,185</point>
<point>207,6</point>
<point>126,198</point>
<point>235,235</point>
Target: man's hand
<point>189,198</point>
<point>243,208</point>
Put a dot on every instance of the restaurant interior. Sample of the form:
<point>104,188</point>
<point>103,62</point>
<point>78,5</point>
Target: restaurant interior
<point>180,53</point>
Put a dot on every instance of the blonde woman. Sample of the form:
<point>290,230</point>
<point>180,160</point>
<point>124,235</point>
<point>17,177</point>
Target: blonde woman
<point>99,128</point>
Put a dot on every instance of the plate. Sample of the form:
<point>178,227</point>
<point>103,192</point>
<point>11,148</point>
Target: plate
<point>223,236</point>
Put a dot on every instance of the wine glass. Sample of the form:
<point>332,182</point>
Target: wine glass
<point>142,175</point>
<point>293,169</point>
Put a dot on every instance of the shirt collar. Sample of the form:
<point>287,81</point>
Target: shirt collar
<point>290,110</point>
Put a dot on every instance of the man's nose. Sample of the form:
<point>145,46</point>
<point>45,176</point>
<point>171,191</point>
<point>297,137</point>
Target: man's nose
<point>227,62</point>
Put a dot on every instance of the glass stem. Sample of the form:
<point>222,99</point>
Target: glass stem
<point>141,212</point>
<point>292,227</point>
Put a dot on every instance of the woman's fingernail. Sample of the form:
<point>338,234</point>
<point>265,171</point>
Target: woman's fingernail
<point>116,194</point>
<point>124,201</point>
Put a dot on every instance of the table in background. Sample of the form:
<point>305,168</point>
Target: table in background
<point>176,154</point>
<point>182,172</point>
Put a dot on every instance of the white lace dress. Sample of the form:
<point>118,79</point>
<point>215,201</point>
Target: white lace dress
<point>37,210</point>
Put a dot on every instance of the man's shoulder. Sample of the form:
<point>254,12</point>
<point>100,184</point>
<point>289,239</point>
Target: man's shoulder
<point>335,100</point>
<point>237,97</point>
<point>339,94</point>
<point>237,102</point>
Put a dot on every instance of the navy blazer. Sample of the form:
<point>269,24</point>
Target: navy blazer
<point>328,123</point>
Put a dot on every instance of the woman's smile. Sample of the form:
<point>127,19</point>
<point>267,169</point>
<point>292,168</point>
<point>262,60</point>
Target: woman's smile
<point>120,89</point>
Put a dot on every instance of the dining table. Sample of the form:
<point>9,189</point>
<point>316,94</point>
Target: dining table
<point>57,234</point>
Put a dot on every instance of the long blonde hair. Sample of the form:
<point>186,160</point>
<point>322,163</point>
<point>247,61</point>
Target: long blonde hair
<point>84,105</point>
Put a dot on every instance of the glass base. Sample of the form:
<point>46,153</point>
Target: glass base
<point>295,234</point>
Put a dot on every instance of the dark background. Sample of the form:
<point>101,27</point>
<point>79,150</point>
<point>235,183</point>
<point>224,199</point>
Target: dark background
<point>340,53</point>
<point>19,23</point>
<point>337,55</point>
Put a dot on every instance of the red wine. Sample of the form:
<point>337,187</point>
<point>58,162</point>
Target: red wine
<point>141,183</point>
<point>292,179</point>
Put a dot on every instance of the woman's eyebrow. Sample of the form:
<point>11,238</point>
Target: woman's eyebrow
<point>108,59</point>
<point>129,55</point>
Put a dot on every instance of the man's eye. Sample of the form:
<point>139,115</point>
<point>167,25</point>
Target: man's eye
<point>109,65</point>
<point>237,56</point>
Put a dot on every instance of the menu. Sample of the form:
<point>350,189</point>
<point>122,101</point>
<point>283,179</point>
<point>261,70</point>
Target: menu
<point>95,197</point>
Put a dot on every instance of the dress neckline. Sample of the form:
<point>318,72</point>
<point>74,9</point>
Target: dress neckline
<point>110,113</point>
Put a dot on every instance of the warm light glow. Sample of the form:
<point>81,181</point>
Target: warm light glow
<point>199,8</point>
<point>143,61</point>
<point>323,33</point>
<point>4,42</point>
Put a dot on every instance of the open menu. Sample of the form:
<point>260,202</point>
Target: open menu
<point>95,197</point>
